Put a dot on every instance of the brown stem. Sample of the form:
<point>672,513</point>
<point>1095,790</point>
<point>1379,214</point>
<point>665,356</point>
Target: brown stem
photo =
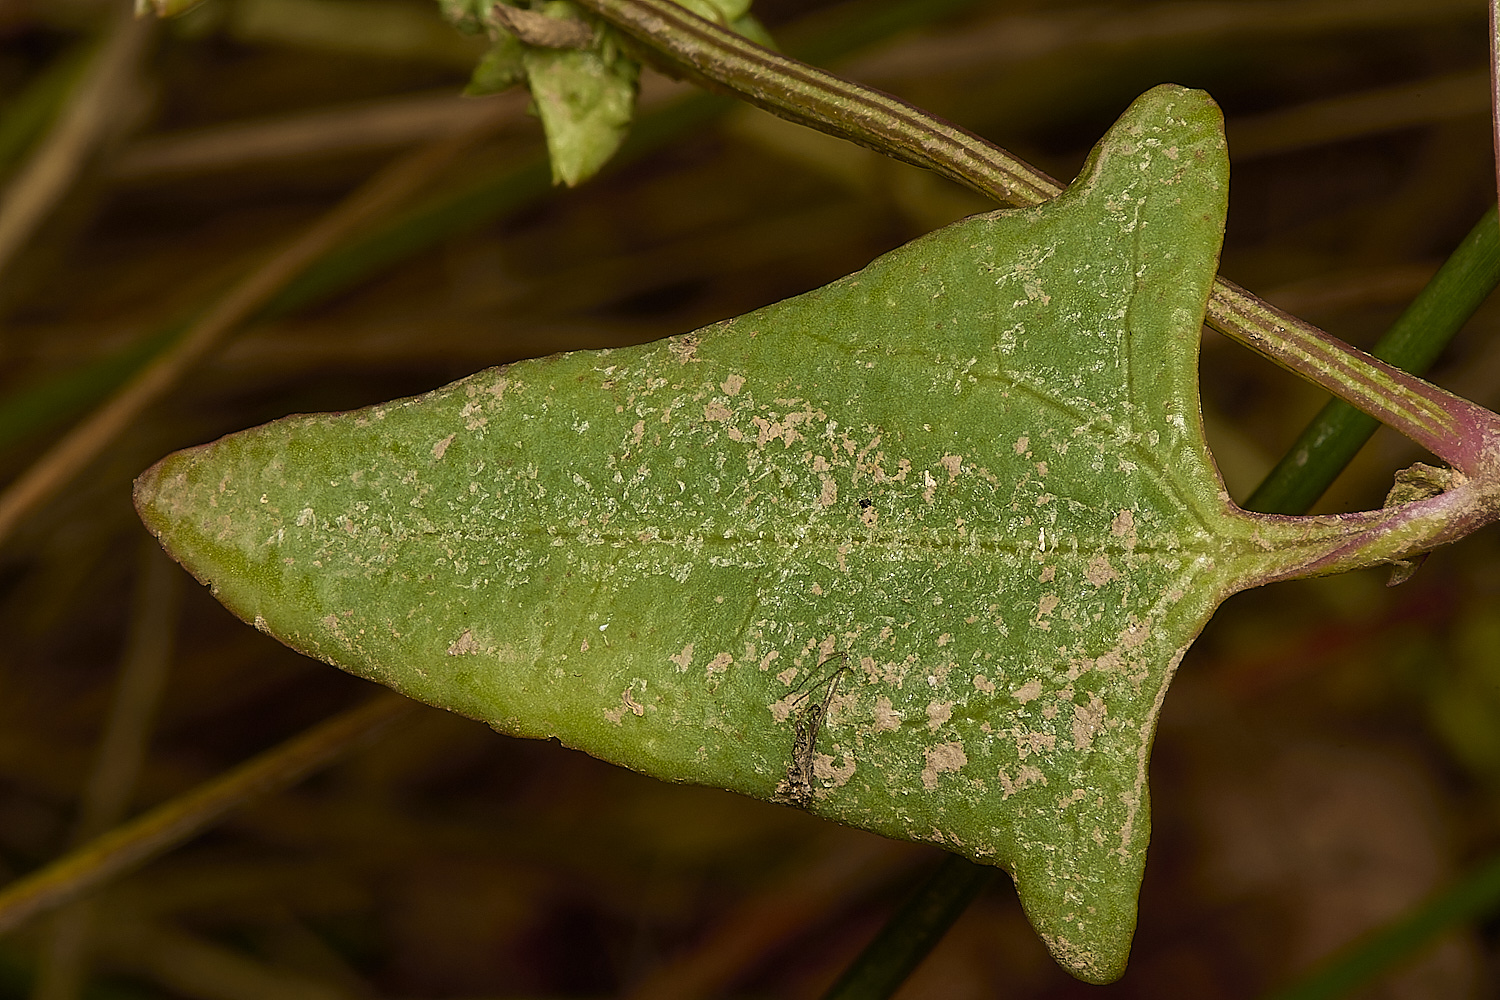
<point>127,847</point>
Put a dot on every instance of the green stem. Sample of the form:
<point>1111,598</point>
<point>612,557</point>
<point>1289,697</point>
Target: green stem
<point>1452,428</point>
<point>1412,343</point>
<point>913,931</point>
<point>1382,951</point>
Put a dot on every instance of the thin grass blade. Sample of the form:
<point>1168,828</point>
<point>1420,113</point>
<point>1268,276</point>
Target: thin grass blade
<point>913,931</point>
<point>1473,897</point>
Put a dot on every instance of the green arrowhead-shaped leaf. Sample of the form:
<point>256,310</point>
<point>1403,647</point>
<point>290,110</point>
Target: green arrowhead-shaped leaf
<point>917,551</point>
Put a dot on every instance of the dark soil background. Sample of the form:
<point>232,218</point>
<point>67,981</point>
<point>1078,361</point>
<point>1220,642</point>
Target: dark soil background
<point>1329,756</point>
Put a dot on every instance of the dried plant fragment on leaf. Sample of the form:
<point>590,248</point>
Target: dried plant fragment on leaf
<point>917,551</point>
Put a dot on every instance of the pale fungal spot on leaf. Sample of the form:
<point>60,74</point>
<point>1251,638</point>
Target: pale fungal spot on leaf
<point>1025,775</point>
<point>1029,742</point>
<point>1088,720</point>
<point>887,719</point>
<point>684,348</point>
<point>983,684</point>
<point>1022,443</point>
<point>837,777</point>
<point>684,658</point>
<point>720,663</point>
<point>464,645</point>
<point>440,448</point>
<point>732,385</point>
<point>783,707</point>
<point>953,463</point>
<point>627,703</point>
<point>1029,691</point>
<point>473,415</point>
<point>1100,571</point>
<point>938,712</point>
<point>786,676</point>
<point>830,492</point>
<point>1134,635</point>
<point>944,758</point>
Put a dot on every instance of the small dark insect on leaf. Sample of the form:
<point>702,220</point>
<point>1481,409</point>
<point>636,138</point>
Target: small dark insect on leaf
<point>796,788</point>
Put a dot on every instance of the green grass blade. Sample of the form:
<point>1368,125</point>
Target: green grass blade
<point>913,931</point>
<point>1413,342</point>
<point>1380,952</point>
<point>27,116</point>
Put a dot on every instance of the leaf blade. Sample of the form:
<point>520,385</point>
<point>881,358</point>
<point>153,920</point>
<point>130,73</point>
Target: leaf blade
<point>917,551</point>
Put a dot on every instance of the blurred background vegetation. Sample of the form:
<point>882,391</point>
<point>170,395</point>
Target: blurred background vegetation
<point>1329,756</point>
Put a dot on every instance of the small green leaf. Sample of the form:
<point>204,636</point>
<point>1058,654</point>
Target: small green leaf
<point>721,11</point>
<point>734,15</point>
<point>501,67</point>
<point>918,551</point>
<point>750,27</point>
<point>585,98</point>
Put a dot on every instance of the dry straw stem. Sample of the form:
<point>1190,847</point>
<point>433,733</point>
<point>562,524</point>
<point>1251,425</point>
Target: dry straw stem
<point>117,764</point>
<point>1495,83</point>
<point>94,112</point>
<point>382,193</point>
<point>143,677</point>
<point>1010,38</point>
<point>367,125</point>
<point>126,847</point>
<point>1366,112</point>
<point>191,965</point>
